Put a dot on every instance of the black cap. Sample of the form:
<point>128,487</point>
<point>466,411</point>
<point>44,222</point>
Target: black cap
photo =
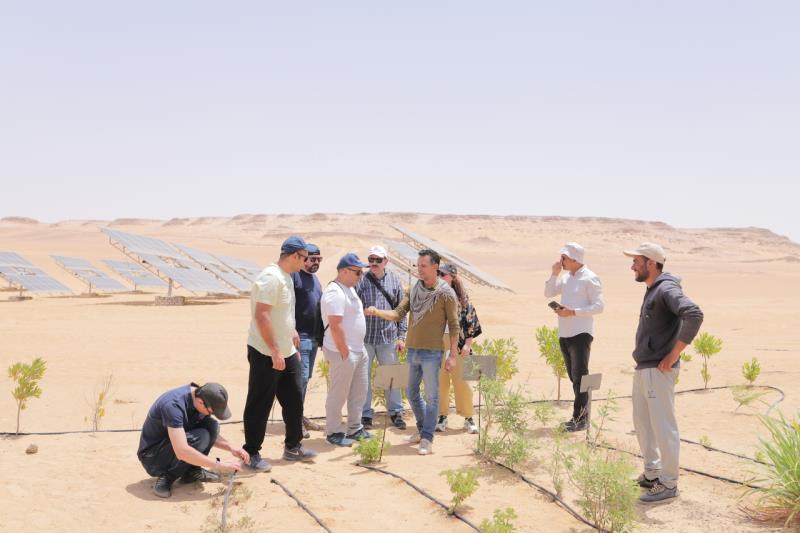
<point>215,396</point>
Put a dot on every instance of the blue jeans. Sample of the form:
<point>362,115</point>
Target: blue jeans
<point>308,354</point>
<point>386,355</point>
<point>423,366</point>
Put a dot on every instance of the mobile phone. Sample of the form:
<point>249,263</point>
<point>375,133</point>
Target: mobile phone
<point>555,305</point>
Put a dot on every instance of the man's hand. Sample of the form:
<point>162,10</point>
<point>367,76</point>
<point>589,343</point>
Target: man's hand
<point>564,311</point>
<point>296,339</point>
<point>241,453</point>
<point>370,311</point>
<point>666,364</point>
<point>345,355</point>
<point>465,351</point>
<point>278,361</point>
<point>228,465</point>
<point>557,268</point>
<point>450,362</point>
<point>401,345</point>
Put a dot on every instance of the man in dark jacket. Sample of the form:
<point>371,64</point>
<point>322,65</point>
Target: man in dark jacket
<point>668,322</point>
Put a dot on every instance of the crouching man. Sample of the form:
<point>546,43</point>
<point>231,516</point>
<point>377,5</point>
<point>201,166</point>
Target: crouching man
<point>179,432</point>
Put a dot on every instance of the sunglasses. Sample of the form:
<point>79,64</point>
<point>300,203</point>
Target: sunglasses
<point>443,274</point>
<point>210,411</point>
<point>358,271</point>
<point>376,260</point>
<point>305,257</point>
<point>316,259</point>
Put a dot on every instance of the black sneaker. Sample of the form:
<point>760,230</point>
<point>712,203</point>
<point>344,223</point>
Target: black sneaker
<point>398,422</point>
<point>573,425</point>
<point>299,453</point>
<point>200,474</point>
<point>360,434</point>
<point>163,487</point>
<point>366,422</point>
<point>645,483</point>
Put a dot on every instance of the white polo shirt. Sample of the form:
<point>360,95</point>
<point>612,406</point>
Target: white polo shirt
<point>582,292</point>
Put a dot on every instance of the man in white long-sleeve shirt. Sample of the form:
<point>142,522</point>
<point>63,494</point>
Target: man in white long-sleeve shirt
<point>581,298</point>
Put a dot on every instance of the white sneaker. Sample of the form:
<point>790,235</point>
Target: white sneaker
<point>425,447</point>
<point>469,425</point>
<point>441,425</point>
<point>415,438</point>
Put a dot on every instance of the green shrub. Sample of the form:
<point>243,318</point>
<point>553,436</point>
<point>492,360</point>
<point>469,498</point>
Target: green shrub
<point>370,449</point>
<point>26,376</point>
<point>544,412</point>
<point>98,402</point>
<point>502,435</point>
<point>706,345</point>
<point>550,351</point>
<point>751,370</point>
<point>463,483</point>
<point>502,521</point>
<point>747,394</point>
<point>506,351</point>
<point>778,498</point>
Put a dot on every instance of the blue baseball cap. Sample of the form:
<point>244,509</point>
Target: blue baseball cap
<point>293,244</point>
<point>350,260</point>
<point>312,249</point>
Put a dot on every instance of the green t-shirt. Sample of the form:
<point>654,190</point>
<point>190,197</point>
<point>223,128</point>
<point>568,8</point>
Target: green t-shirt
<point>273,287</point>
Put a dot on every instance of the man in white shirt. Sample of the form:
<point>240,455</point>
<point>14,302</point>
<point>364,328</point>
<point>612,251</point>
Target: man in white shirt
<point>581,299</point>
<point>343,348</point>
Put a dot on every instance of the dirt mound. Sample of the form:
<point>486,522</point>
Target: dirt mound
<point>19,220</point>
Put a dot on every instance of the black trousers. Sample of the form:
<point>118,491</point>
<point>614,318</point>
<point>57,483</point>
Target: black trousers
<point>576,358</point>
<point>160,460</point>
<point>264,385</point>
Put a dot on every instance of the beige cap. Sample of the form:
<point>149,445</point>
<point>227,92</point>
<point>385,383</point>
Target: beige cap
<point>649,250</point>
<point>574,251</point>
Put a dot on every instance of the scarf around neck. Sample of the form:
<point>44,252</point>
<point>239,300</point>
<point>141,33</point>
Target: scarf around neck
<point>423,300</point>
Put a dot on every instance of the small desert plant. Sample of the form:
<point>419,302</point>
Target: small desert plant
<point>686,357</point>
<point>216,523</point>
<point>463,483</point>
<point>324,369</point>
<point>706,345</point>
<point>370,449</point>
<point>608,496</point>
<point>778,496</point>
<point>559,460</point>
<point>605,414</point>
<point>705,441</point>
<point>550,350</point>
<point>747,394</point>
<point>502,521</point>
<point>98,402</point>
<point>544,412</point>
<point>503,435</point>
<point>750,370</point>
<point>26,376</point>
<point>506,351</point>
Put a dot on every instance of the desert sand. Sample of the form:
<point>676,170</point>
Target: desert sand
<point>745,280</point>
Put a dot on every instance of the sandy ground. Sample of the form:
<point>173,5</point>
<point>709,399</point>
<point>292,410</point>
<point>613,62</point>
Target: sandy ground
<point>744,279</point>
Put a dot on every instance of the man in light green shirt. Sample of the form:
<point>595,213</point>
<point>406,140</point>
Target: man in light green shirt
<point>275,369</point>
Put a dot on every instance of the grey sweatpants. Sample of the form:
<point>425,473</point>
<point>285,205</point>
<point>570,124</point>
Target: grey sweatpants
<point>655,423</point>
<point>348,385</point>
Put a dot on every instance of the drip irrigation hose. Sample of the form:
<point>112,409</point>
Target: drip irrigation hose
<point>301,504</point>
<point>421,491</point>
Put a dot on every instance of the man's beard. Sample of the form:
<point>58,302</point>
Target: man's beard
<point>641,276</point>
<point>313,268</point>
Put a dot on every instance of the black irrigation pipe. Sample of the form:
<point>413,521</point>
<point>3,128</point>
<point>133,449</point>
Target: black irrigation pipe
<point>301,504</point>
<point>421,491</point>
<point>555,497</point>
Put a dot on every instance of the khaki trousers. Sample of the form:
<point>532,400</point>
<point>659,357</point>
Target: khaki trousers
<point>463,390</point>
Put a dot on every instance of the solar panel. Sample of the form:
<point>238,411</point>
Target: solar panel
<point>86,272</point>
<point>135,274</point>
<point>218,268</point>
<point>248,269</point>
<point>22,273</point>
<point>167,261</point>
<point>465,268</point>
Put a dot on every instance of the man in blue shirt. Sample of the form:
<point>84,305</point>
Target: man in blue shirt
<point>179,432</point>
<point>307,292</point>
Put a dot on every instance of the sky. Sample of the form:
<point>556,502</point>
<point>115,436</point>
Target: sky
<point>686,112</point>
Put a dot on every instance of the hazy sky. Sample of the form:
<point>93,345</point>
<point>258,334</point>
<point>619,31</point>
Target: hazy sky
<point>682,111</point>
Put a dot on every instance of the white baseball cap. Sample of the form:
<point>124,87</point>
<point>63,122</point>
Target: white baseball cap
<point>574,251</point>
<point>377,250</point>
<point>649,250</point>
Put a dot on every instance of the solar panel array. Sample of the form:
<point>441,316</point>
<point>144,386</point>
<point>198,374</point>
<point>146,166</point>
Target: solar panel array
<point>464,267</point>
<point>167,261</point>
<point>217,268</point>
<point>135,273</point>
<point>20,272</point>
<point>248,269</point>
<point>86,272</point>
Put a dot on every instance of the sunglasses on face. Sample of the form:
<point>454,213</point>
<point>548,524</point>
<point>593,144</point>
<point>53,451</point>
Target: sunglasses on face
<point>210,411</point>
<point>316,259</point>
<point>358,271</point>
<point>305,257</point>
<point>376,260</point>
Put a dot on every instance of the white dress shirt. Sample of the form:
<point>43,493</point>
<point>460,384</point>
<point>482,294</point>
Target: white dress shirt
<point>582,292</point>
